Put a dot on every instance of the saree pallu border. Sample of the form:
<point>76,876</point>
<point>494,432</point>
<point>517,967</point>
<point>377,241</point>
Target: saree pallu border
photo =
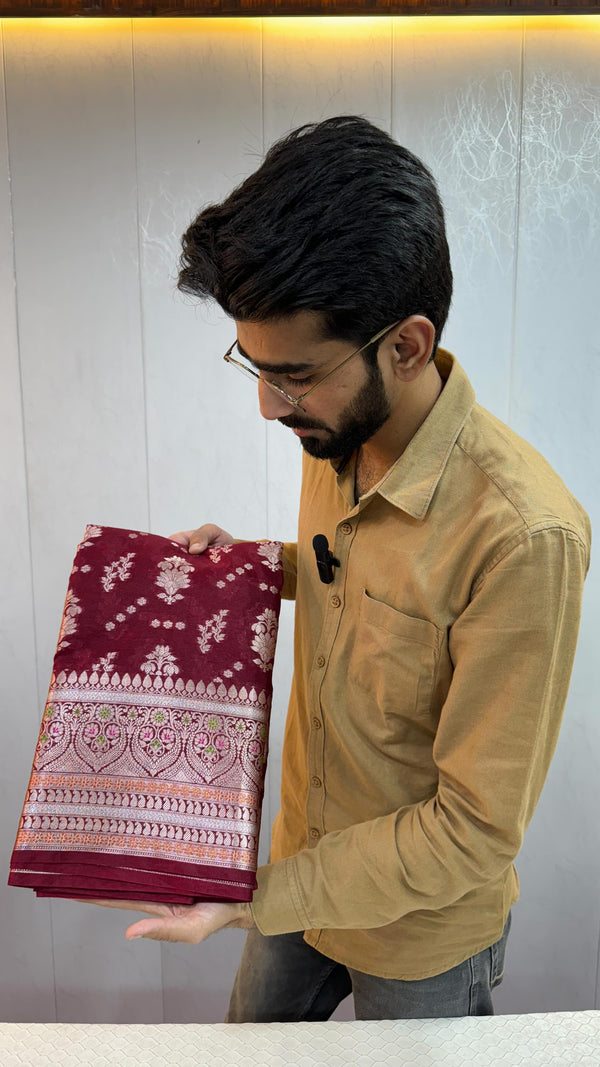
<point>146,786</point>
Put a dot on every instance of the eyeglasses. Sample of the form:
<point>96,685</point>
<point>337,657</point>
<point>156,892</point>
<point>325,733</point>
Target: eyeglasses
<point>297,401</point>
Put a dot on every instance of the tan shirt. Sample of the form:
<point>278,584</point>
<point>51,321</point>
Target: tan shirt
<point>430,680</point>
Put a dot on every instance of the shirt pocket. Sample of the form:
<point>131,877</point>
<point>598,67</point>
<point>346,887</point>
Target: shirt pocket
<point>394,663</point>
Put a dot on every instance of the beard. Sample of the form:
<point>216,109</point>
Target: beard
<point>365,414</point>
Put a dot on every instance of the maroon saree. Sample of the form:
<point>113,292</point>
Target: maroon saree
<point>148,774</point>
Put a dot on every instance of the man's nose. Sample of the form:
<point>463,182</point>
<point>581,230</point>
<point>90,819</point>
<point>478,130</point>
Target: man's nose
<point>272,404</point>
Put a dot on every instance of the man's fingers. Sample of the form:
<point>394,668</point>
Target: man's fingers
<point>190,926</point>
<point>164,930</point>
<point>197,541</point>
<point>151,907</point>
<point>189,923</point>
<point>181,538</point>
<point>193,540</point>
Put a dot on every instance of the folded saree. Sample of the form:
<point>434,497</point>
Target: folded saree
<point>148,774</point>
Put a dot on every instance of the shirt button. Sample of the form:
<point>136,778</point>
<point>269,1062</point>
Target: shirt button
<point>320,661</point>
<point>335,601</point>
<point>316,781</point>
<point>346,527</point>
<point>314,832</point>
<point>316,724</point>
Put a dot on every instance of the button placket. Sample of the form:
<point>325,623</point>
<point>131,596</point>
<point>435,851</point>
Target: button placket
<point>316,795</point>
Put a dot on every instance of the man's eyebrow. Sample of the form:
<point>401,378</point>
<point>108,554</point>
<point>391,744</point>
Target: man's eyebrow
<point>276,368</point>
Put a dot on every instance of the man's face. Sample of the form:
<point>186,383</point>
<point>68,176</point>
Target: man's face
<point>339,416</point>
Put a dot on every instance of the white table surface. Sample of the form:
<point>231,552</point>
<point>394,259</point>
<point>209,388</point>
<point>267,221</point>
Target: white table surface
<point>561,1039</point>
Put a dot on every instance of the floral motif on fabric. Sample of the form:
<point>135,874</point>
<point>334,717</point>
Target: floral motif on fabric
<point>192,744</point>
<point>69,620</point>
<point>105,663</point>
<point>265,629</point>
<point>90,532</point>
<point>212,630</point>
<point>119,568</point>
<point>217,551</point>
<point>271,550</point>
<point>160,661</point>
<point>173,577</point>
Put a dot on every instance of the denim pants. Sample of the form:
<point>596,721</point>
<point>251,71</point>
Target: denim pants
<point>282,979</point>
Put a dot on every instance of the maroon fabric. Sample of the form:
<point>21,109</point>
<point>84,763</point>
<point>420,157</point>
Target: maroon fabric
<point>148,774</point>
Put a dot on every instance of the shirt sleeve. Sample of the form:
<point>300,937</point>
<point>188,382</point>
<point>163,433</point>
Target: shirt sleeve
<point>512,650</point>
<point>289,559</point>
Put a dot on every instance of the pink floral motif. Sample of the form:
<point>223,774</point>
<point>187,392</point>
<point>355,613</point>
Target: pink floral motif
<point>271,550</point>
<point>212,630</point>
<point>100,737</point>
<point>69,624</point>
<point>105,663</point>
<point>160,662</point>
<point>173,577</point>
<point>119,568</point>
<point>265,629</point>
<point>217,551</point>
<point>90,531</point>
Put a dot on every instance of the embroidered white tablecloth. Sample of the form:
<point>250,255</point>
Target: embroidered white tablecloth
<point>561,1039</point>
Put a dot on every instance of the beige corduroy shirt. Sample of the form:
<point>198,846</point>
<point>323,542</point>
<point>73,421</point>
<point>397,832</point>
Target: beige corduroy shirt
<point>429,683</point>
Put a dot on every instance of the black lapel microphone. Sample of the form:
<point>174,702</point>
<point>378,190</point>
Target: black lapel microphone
<point>326,560</point>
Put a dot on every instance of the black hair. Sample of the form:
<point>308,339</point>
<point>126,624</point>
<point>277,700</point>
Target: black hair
<point>339,219</point>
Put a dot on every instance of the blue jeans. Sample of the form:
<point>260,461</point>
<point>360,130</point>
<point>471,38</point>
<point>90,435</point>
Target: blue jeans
<point>282,979</point>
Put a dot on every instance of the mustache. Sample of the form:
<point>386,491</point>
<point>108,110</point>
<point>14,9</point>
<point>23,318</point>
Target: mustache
<point>294,423</point>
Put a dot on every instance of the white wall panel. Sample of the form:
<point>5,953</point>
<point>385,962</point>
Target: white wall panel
<point>456,105</point>
<point>26,975</point>
<point>71,136</point>
<point>555,403</point>
<point>199,132</point>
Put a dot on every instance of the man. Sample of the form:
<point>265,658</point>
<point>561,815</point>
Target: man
<point>431,672</point>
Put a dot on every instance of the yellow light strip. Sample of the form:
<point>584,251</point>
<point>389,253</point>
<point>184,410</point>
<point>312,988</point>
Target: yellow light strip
<point>419,24</point>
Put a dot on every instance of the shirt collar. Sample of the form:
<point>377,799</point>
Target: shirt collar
<point>411,482</point>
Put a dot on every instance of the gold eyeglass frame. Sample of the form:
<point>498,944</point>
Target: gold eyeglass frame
<point>297,402</point>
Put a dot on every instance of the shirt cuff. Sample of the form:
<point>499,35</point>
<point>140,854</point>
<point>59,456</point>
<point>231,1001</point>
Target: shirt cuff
<point>277,906</point>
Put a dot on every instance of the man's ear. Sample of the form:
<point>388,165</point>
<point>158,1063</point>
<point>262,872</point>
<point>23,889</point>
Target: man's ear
<point>413,341</point>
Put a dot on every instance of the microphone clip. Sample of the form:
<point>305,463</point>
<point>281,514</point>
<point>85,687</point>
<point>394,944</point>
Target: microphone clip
<point>326,560</point>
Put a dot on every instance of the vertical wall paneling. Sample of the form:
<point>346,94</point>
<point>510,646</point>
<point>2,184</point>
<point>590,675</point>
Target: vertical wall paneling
<point>71,135</point>
<point>555,402</point>
<point>26,976</point>
<point>198,133</point>
<point>456,104</point>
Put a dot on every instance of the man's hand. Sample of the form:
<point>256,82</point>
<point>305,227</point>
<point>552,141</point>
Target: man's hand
<point>189,923</point>
<point>199,540</point>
